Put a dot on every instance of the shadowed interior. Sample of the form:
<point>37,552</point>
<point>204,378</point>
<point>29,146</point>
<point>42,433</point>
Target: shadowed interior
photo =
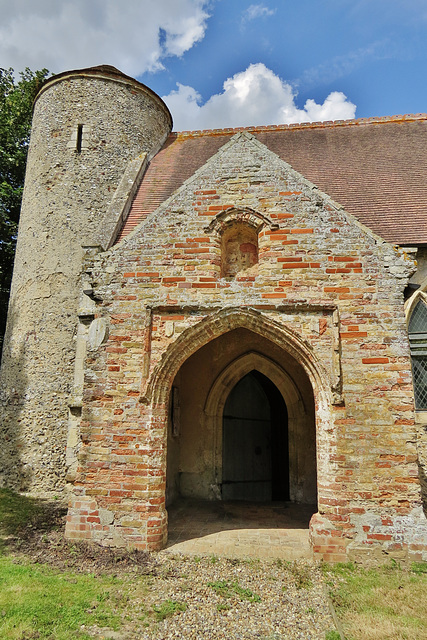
<point>242,424</point>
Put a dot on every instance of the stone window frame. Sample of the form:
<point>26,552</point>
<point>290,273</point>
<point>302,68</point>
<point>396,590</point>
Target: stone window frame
<point>80,136</point>
<point>418,352</point>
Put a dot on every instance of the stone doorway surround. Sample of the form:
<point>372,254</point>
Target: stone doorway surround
<point>296,407</point>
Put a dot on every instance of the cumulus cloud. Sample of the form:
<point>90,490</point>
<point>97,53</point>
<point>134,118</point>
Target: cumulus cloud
<point>255,96</point>
<point>257,11</point>
<point>135,35</point>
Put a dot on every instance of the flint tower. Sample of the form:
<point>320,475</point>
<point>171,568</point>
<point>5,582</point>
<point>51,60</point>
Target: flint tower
<point>94,131</point>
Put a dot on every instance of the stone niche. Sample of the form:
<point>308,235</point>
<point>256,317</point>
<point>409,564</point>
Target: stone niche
<point>239,250</point>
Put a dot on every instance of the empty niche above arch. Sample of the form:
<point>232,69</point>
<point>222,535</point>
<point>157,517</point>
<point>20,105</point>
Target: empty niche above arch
<point>239,249</point>
<point>237,232</point>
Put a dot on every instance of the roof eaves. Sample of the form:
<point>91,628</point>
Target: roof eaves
<point>327,124</point>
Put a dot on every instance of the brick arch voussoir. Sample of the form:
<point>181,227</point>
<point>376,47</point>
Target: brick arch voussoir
<point>244,215</point>
<point>221,322</point>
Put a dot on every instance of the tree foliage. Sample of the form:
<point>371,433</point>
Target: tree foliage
<point>16,106</point>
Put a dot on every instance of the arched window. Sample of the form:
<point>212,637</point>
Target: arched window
<point>239,251</point>
<point>417,330</point>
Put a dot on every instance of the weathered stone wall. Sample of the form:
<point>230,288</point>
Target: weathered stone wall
<point>87,126</point>
<point>325,290</point>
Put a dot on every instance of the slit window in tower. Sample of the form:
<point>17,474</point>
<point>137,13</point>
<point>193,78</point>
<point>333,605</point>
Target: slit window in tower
<point>79,138</point>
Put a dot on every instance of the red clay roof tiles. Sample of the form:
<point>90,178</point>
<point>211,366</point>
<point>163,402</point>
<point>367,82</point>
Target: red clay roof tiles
<point>375,168</point>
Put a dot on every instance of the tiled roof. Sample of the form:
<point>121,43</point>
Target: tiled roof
<point>376,168</point>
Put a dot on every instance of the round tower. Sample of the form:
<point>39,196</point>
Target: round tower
<point>88,125</point>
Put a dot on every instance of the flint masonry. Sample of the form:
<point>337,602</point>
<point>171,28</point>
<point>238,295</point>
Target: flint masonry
<point>221,315</point>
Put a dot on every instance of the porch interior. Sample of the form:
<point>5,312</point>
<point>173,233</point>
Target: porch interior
<point>240,529</point>
<point>241,451</point>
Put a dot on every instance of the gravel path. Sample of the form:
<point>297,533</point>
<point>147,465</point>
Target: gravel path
<point>206,597</point>
<point>211,598</point>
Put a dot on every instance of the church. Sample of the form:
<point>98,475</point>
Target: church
<point>231,314</point>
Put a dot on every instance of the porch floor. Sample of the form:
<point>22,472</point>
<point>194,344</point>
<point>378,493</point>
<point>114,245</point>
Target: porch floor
<point>240,529</point>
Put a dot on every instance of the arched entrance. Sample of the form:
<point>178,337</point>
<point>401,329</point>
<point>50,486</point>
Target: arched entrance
<point>255,450</point>
<point>242,378</point>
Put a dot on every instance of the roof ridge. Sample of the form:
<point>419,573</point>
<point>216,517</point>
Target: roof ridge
<point>409,117</point>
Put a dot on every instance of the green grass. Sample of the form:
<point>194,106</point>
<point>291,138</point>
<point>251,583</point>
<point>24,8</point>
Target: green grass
<point>381,603</point>
<point>36,600</point>
<point>16,511</point>
<point>226,589</point>
<point>168,608</point>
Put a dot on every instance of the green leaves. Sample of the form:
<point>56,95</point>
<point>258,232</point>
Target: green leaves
<point>16,108</point>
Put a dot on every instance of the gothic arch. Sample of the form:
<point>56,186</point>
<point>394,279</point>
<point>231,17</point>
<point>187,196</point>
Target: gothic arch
<point>243,365</point>
<point>412,302</point>
<point>215,325</point>
<point>227,379</point>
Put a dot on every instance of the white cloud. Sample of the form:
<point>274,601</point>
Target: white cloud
<point>335,107</point>
<point>69,34</point>
<point>341,66</point>
<point>258,11</point>
<point>255,96</point>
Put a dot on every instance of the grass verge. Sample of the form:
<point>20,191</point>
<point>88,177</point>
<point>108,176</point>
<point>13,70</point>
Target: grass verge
<point>54,590</point>
<point>381,603</point>
<point>37,602</point>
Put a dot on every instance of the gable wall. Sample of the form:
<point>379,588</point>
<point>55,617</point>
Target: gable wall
<point>323,281</point>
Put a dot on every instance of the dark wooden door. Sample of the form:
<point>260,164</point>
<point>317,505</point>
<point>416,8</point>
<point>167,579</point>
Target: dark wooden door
<point>254,424</point>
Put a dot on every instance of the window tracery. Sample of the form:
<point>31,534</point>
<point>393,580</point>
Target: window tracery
<point>417,330</point>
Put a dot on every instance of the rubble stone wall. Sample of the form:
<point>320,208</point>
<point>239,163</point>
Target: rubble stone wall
<point>87,126</point>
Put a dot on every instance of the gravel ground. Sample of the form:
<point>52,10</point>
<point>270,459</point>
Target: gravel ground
<point>196,598</point>
<point>211,598</point>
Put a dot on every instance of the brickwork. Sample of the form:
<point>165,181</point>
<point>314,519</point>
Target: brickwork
<point>326,292</point>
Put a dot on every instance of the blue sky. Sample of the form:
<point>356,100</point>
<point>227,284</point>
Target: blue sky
<point>236,62</point>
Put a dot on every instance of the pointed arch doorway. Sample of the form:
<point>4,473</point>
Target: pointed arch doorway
<point>255,448</point>
<point>245,379</point>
